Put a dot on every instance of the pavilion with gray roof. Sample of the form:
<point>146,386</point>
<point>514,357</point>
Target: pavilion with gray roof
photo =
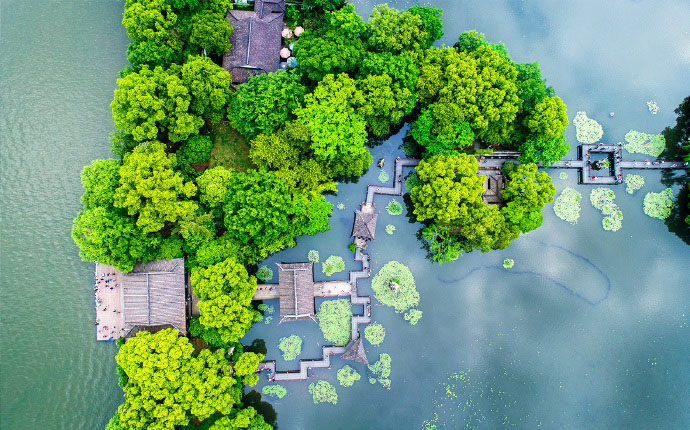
<point>296,288</point>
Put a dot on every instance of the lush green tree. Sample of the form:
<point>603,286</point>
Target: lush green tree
<point>197,149</point>
<point>265,103</point>
<point>154,104</point>
<point>108,236</point>
<point>385,103</point>
<point>168,384</point>
<point>425,132</point>
<point>432,23</point>
<point>402,68</point>
<point>441,244</point>
<point>532,87</point>
<point>395,31</point>
<point>114,423</point>
<point>209,86</point>
<point>526,192</point>
<point>452,188</point>
<point>471,41</point>
<point>338,132</point>
<point>196,228</point>
<point>246,367</point>
<point>261,213</point>
<point>333,48</point>
<point>484,228</point>
<point>324,5</point>
<point>213,186</point>
<point>226,291</point>
<point>151,189</point>
<point>547,120</point>
<point>479,87</point>
<point>535,150</point>
<point>100,179</point>
<point>246,418</point>
<point>211,31</point>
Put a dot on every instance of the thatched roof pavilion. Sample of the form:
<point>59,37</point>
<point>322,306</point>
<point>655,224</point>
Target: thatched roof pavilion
<point>355,351</point>
<point>364,226</point>
<point>296,287</point>
<point>255,40</point>
<point>153,297</point>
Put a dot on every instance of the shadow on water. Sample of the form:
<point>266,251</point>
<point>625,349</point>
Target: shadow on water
<point>253,399</point>
<point>258,346</point>
<point>593,296</point>
<point>677,147</point>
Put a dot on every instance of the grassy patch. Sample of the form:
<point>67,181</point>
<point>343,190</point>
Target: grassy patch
<point>230,150</point>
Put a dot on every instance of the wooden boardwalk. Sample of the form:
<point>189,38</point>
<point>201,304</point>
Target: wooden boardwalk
<point>108,300</point>
<point>321,289</point>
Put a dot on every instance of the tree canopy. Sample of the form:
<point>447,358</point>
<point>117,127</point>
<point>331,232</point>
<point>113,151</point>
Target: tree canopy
<point>167,384</point>
<point>226,291</point>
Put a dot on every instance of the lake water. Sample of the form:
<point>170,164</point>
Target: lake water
<point>590,329</point>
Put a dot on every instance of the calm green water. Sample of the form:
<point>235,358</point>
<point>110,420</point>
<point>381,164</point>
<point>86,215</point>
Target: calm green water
<point>590,329</point>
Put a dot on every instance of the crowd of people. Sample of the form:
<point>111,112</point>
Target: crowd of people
<point>106,282</point>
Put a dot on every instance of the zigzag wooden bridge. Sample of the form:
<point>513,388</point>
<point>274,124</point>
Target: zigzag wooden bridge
<point>363,231</point>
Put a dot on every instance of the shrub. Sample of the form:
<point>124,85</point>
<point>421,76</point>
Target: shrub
<point>274,390</point>
<point>383,176</point>
<point>567,205</point>
<point>351,246</point>
<point>381,370</point>
<point>334,320</point>
<point>313,256</point>
<point>587,129</point>
<point>633,183</point>
<point>394,207</point>
<point>412,180</point>
<point>196,150</point>
<point>508,263</point>
<point>658,205</point>
<point>323,392</point>
<point>375,333</point>
<point>264,273</point>
<point>643,143</point>
<point>333,264</point>
<point>405,297</point>
<point>290,346</point>
<point>390,228</point>
<point>413,316</point>
<point>348,376</point>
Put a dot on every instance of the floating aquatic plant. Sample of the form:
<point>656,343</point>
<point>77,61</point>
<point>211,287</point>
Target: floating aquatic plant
<point>653,107</point>
<point>264,273</point>
<point>401,295</point>
<point>334,320</point>
<point>658,205</point>
<point>563,175</point>
<point>603,199</point>
<point>290,346</point>
<point>323,392</point>
<point>268,320</point>
<point>274,391</point>
<point>587,130</point>
<point>340,206</point>
<point>643,143</point>
<point>348,376</point>
<point>633,183</point>
<point>381,370</point>
<point>383,176</point>
<point>313,256</point>
<point>508,263</point>
<point>390,228</point>
<point>333,264</point>
<point>413,316</point>
<point>374,333</point>
<point>394,207</point>
<point>567,205</point>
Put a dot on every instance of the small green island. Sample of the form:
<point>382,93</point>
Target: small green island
<point>236,122</point>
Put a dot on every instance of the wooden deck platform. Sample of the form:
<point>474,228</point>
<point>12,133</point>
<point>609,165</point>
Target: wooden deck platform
<point>321,289</point>
<point>108,299</point>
